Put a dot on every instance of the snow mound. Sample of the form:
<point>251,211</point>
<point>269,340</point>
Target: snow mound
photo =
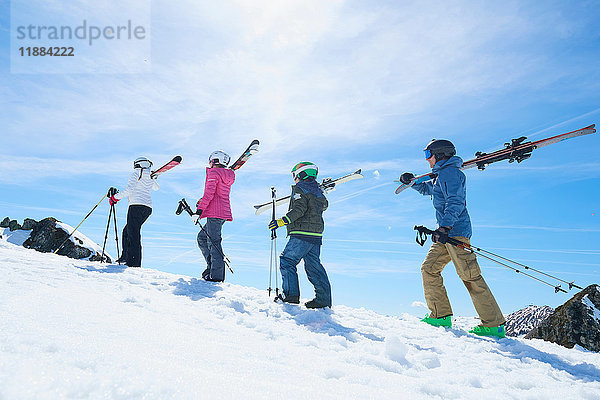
<point>77,329</point>
<point>79,239</point>
<point>17,237</point>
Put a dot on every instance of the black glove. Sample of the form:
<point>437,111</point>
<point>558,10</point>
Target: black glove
<point>196,216</point>
<point>440,235</point>
<point>407,177</point>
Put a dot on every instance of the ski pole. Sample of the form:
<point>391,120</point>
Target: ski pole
<point>111,192</point>
<point>86,217</point>
<point>116,234</point>
<point>422,233</point>
<point>273,255</point>
<point>571,284</point>
<point>183,205</point>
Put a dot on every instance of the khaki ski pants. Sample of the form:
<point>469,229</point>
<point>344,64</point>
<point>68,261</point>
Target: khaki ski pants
<point>468,270</point>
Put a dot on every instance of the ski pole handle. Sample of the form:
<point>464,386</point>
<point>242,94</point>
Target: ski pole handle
<point>274,199</point>
<point>422,233</point>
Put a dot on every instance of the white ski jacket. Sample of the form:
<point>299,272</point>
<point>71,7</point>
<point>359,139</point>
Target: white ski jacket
<point>139,188</point>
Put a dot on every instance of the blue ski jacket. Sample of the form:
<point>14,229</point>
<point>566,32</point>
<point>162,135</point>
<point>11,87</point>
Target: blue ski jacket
<point>449,193</point>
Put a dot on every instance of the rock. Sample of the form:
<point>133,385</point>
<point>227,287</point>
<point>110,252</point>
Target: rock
<point>47,237</point>
<point>523,321</point>
<point>575,322</point>
<point>5,222</point>
<point>28,224</point>
<point>14,225</point>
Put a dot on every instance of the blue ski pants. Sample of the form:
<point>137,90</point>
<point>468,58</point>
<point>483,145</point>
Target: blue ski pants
<point>210,245</point>
<point>296,250</point>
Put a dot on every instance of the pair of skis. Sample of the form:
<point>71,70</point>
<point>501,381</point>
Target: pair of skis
<point>327,185</point>
<point>175,161</point>
<point>517,150</point>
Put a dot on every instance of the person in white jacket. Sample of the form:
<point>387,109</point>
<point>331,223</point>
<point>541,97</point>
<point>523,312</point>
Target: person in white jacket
<point>139,189</point>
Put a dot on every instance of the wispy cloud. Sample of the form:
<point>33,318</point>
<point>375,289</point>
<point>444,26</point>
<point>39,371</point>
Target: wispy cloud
<point>542,228</point>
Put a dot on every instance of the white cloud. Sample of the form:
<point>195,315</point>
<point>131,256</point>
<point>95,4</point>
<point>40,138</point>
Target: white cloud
<point>418,304</point>
<point>310,73</point>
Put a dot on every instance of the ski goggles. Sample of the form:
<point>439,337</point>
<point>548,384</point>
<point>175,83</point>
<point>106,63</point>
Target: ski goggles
<point>427,154</point>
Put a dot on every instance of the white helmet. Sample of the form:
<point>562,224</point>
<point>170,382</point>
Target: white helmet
<point>142,162</point>
<point>220,157</point>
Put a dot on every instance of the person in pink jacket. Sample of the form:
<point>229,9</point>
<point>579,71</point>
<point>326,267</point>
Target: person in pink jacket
<point>215,207</point>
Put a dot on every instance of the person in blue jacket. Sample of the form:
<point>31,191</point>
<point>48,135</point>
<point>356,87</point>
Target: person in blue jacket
<point>449,194</point>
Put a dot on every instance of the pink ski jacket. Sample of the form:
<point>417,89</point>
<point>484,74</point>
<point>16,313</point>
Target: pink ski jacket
<point>215,202</point>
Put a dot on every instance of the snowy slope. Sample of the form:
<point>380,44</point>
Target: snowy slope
<point>76,329</point>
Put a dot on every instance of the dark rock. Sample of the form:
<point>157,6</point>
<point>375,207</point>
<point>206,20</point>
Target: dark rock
<point>46,237</point>
<point>575,322</point>
<point>523,321</point>
<point>14,225</point>
<point>28,224</point>
<point>5,222</point>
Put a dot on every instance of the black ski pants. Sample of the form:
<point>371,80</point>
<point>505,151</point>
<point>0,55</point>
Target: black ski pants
<point>132,238</point>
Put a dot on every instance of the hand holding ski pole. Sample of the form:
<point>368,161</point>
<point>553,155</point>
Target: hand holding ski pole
<point>440,235</point>
<point>422,233</point>
<point>112,200</point>
<point>278,223</point>
<point>196,216</point>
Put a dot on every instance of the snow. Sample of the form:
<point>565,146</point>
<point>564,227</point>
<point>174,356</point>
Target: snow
<point>17,237</point>
<point>588,303</point>
<point>78,329</point>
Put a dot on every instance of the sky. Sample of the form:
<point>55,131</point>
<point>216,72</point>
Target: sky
<point>344,84</point>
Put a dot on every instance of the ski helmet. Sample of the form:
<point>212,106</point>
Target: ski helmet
<point>305,169</point>
<point>142,162</point>
<point>442,147</point>
<point>219,157</point>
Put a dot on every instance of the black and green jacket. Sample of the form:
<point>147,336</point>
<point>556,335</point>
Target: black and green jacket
<point>305,212</point>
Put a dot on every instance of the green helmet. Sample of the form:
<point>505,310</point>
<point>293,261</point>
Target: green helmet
<point>304,170</point>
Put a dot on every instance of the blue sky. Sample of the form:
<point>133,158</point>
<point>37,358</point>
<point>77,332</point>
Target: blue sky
<point>346,85</point>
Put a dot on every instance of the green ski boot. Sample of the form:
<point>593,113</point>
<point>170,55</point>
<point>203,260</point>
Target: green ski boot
<point>444,321</point>
<point>489,331</point>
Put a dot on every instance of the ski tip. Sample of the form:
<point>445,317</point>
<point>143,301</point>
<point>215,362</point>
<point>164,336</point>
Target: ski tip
<point>400,188</point>
<point>255,141</point>
<point>178,159</point>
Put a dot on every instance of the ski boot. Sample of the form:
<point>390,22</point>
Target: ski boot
<point>287,299</point>
<point>498,331</point>
<point>444,321</point>
<point>314,303</point>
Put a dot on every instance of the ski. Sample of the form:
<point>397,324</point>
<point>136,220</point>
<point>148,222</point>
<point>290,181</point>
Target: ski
<point>517,150</point>
<point>253,148</point>
<point>173,163</point>
<point>327,185</point>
